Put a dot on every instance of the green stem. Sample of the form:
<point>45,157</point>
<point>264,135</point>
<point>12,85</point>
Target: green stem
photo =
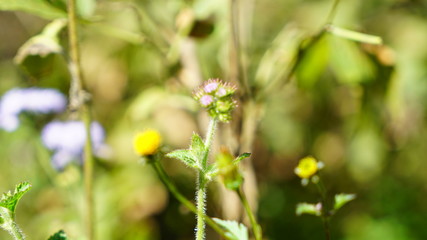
<point>208,142</point>
<point>201,207</point>
<point>332,12</point>
<point>202,183</point>
<point>172,188</point>
<point>8,224</point>
<point>256,228</point>
<point>78,102</point>
<point>16,232</point>
<point>325,208</point>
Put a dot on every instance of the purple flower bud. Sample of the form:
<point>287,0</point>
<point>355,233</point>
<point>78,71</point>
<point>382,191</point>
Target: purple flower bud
<point>210,87</point>
<point>206,100</point>
<point>67,140</point>
<point>36,100</point>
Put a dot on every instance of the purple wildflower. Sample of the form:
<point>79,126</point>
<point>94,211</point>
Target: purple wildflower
<point>206,100</point>
<point>67,140</point>
<point>221,92</point>
<point>35,100</point>
<point>210,87</point>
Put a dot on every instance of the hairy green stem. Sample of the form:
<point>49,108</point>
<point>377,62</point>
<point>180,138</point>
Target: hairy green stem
<point>78,102</point>
<point>202,183</point>
<point>16,232</point>
<point>256,228</point>
<point>175,192</point>
<point>8,224</point>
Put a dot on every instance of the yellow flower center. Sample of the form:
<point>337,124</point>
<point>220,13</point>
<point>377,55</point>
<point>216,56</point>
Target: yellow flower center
<point>307,167</point>
<point>147,142</point>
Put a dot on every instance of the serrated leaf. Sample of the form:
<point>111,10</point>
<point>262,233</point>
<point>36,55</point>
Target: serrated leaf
<point>241,157</point>
<point>343,198</point>
<point>40,8</point>
<point>234,230</point>
<point>60,235</point>
<point>186,156</point>
<point>9,200</point>
<point>197,146</point>
<point>309,208</point>
<point>212,171</point>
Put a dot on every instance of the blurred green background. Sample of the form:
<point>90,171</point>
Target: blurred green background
<point>357,107</point>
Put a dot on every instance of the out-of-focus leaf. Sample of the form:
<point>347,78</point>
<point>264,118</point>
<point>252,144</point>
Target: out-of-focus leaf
<point>86,8</point>
<point>44,43</point>
<point>9,200</point>
<point>40,8</point>
<point>277,59</point>
<point>235,230</point>
<point>309,208</point>
<point>313,63</point>
<point>355,36</point>
<point>349,63</point>
<point>60,235</point>
<point>241,157</point>
<point>341,199</point>
<point>186,156</point>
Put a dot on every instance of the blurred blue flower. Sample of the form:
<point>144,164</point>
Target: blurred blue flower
<point>35,100</point>
<point>67,140</point>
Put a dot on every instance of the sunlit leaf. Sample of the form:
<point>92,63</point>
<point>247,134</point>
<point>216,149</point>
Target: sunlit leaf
<point>39,8</point>
<point>184,155</point>
<point>60,235</point>
<point>341,199</point>
<point>309,208</point>
<point>197,146</point>
<point>241,157</point>
<point>9,200</point>
<point>235,230</point>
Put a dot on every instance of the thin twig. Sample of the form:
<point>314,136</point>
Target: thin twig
<point>78,103</point>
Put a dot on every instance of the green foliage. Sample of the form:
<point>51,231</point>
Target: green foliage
<point>9,200</point>
<point>241,157</point>
<point>342,199</point>
<point>191,157</point>
<point>309,208</point>
<point>60,235</point>
<point>186,156</point>
<point>235,230</point>
<point>40,8</point>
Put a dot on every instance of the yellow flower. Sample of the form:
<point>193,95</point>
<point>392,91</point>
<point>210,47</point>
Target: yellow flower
<point>307,167</point>
<point>147,142</point>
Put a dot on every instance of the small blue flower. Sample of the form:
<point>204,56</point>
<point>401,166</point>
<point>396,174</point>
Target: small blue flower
<point>67,140</point>
<point>34,100</point>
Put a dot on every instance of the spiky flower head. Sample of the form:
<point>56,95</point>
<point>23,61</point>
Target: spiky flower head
<point>217,97</point>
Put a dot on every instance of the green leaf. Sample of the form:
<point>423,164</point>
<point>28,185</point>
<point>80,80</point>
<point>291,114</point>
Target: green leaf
<point>341,199</point>
<point>39,8</point>
<point>234,230</point>
<point>349,63</point>
<point>42,44</point>
<point>9,200</point>
<point>309,208</point>
<point>197,146</point>
<point>60,235</point>
<point>241,157</point>
<point>186,156</point>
